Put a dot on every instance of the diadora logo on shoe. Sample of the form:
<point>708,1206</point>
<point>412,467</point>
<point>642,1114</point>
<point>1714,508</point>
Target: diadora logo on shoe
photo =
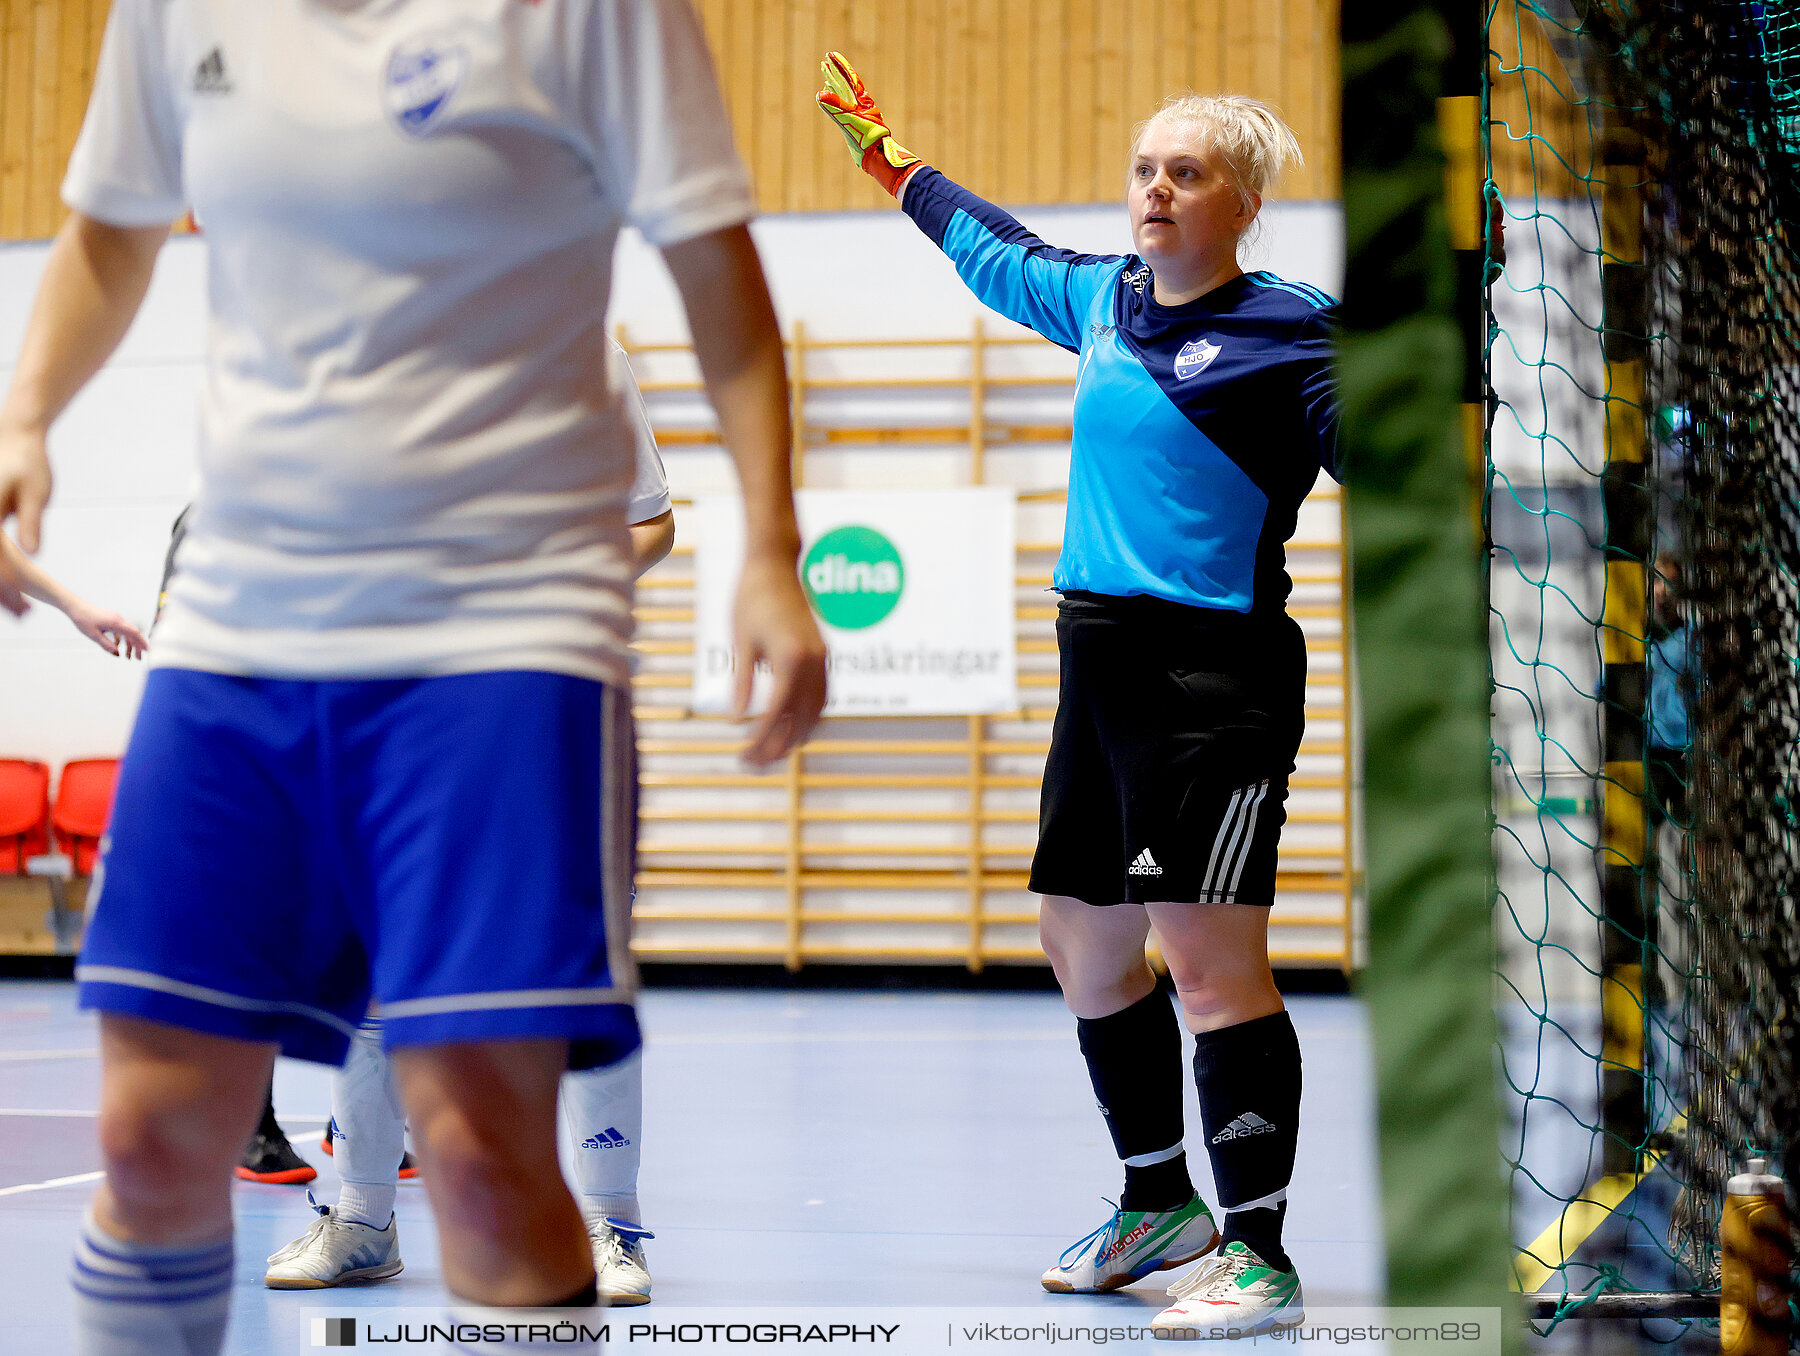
<point>1145,865</point>
<point>1125,1241</point>
<point>608,1138</point>
<point>1243,1127</point>
<point>1195,357</point>
<point>209,75</point>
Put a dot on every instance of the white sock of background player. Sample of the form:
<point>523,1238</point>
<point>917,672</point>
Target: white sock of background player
<point>604,1111</point>
<point>370,1134</point>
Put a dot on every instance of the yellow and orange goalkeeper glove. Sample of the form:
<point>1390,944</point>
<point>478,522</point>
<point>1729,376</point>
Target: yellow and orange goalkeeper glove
<point>847,103</point>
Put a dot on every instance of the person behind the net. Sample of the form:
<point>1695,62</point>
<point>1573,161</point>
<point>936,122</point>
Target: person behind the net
<point>399,625</point>
<point>358,1237</point>
<point>1203,414</point>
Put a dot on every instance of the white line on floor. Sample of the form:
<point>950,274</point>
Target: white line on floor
<point>76,1180</point>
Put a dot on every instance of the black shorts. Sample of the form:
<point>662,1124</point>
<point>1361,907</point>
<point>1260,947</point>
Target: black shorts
<point>1169,762</point>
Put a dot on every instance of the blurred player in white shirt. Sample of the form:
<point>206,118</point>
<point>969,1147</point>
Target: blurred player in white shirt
<point>389,700</point>
<point>358,1238</point>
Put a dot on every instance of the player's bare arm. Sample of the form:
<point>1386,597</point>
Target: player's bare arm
<point>94,282</point>
<point>651,541</point>
<point>739,347</point>
<point>108,630</point>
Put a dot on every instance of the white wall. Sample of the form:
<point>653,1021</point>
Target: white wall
<point>123,453</point>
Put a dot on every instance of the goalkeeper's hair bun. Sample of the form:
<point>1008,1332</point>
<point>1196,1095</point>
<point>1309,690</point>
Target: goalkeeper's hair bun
<point>1248,135</point>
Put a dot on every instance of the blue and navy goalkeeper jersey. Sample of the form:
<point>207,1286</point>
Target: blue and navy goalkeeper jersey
<point>1198,428</point>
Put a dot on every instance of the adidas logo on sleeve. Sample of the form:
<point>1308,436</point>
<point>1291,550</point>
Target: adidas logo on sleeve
<point>1243,1127</point>
<point>1145,865</point>
<point>608,1138</point>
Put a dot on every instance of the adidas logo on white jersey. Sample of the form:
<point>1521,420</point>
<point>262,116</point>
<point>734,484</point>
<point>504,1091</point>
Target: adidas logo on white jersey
<point>1145,865</point>
<point>608,1138</point>
<point>209,75</point>
<point>1243,1127</point>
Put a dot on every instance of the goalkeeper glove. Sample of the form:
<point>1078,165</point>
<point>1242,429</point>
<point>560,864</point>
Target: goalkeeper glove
<point>847,103</point>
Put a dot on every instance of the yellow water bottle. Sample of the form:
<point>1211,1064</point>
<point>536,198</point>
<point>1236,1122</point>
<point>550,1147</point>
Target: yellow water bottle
<point>1757,1261</point>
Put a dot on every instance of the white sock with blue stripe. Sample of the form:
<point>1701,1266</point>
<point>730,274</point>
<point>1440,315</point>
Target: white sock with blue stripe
<point>369,1131</point>
<point>604,1111</point>
<point>138,1299</point>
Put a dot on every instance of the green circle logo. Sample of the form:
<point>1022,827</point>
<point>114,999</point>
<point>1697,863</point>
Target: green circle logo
<point>853,576</point>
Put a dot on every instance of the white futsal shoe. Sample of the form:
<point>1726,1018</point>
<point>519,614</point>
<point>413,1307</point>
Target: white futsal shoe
<point>1131,1245</point>
<point>334,1251</point>
<point>620,1272</point>
<point>1235,1294</point>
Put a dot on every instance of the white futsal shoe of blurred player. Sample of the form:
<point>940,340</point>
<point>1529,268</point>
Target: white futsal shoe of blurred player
<point>1236,1293</point>
<point>620,1272</point>
<point>334,1251</point>
<point>1131,1245</point>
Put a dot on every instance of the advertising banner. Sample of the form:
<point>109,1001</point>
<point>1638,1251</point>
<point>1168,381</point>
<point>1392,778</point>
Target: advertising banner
<point>913,589</point>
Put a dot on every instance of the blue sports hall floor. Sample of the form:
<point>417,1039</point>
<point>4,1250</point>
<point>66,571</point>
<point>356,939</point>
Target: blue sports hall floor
<point>828,1152</point>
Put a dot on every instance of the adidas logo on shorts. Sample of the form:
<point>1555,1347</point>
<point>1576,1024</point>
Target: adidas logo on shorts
<point>1243,1127</point>
<point>609,1138</point>
<point>1145,865</point>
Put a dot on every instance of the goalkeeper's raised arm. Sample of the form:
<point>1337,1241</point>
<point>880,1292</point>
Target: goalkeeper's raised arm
<point>1008,267</point>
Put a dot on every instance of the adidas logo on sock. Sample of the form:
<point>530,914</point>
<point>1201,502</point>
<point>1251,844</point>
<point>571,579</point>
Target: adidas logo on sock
<point>606,1139</point>
<point>209,75</point>
<point>1145,865</point>
<point>1244,1126</point>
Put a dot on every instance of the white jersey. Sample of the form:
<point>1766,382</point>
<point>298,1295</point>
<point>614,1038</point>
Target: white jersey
<point>412,459</point>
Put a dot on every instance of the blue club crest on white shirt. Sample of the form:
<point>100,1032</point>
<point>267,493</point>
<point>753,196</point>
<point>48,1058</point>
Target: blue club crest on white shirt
<point>420,78</point>
<point>1195,357</point>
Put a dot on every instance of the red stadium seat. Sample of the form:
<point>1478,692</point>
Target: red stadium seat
<point>83,802</point>
<point>24,813</point>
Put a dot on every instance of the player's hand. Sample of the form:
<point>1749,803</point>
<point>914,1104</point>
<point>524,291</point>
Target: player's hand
<point>110,632</point>
<point>24,490</point>
<point>847,103</point>
<point>774,625</point>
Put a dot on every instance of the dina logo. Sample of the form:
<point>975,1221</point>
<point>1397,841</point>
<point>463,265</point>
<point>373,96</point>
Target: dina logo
<point>1195,358</point>
<point>854,577</point>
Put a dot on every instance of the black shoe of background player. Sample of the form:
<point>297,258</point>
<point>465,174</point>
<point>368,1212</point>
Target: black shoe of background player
<point>408,1168</point>
<point>270,1158</point>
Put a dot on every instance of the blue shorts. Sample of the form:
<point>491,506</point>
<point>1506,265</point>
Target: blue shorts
<point>458,849</point>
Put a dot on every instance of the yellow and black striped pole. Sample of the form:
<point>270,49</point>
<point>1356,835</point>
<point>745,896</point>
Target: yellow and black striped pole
<point>1627,912</point>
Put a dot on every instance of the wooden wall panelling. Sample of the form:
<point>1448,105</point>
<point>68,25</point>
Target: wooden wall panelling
<point>16,77</point>
<point>81,33</point>
<point>1111,94</point>
<point>768,144</point>
<point>1026,103</point>
<point>46,156</point>
<point>956,123</point>
<point>1049,156</point>
<point>1080,152</point>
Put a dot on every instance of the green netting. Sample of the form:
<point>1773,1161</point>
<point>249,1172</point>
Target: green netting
<point>1644,438</point>
<point>1780,32</point>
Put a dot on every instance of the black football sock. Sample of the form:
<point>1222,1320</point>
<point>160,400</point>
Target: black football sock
<point>1248,1077</point>
<point>269,1127</point>
<point>1134,1062</point>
